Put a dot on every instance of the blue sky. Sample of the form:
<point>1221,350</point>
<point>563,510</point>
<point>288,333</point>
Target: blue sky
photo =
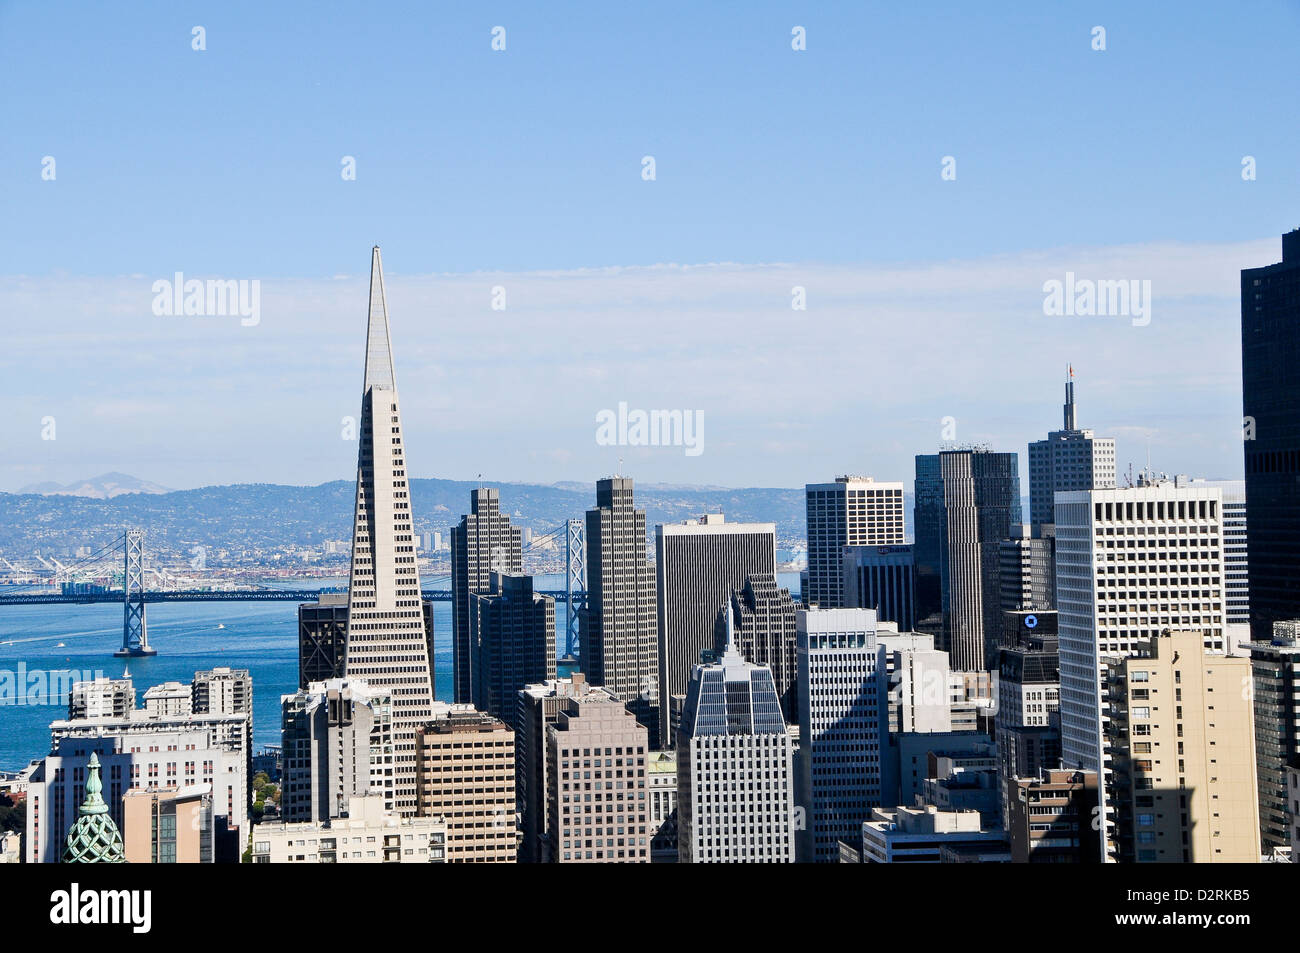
<point>226,163</point>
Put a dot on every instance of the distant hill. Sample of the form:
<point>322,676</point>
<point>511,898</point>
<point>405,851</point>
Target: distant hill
<point>106,486</point>
<point>267,518</point>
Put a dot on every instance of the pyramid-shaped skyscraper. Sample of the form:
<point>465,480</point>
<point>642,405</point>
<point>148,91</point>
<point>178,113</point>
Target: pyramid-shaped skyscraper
<point>389,635</point>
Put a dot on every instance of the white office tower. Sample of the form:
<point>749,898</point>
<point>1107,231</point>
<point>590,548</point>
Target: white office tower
<point>840,713</point>
<point>1130,564</point>
<point>1069,459</point>
<point>852,511</point>
<point>735,774</point>
<point>1236,578</point>
<point>337,744</point>
<point>918,682</point>
<point>387,642</point>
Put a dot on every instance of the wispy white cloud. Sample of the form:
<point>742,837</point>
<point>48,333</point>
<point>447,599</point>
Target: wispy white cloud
<point>858,381</point>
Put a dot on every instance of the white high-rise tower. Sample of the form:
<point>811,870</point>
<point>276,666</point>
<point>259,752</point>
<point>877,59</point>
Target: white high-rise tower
<point>387,640</point>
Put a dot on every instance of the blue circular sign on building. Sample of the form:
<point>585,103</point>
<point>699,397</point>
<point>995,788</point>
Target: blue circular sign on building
<point>1031,621</point>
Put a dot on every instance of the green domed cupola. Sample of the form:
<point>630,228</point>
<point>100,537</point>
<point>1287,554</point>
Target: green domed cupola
<point>94,839</point>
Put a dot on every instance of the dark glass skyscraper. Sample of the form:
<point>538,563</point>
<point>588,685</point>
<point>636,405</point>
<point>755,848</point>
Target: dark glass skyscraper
<point>483,543</point>
<point>968,502</point>
<point>513,630</point>
<point>1270,355</point>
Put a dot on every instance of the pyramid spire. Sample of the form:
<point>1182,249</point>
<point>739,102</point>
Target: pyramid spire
<point>379,347</point>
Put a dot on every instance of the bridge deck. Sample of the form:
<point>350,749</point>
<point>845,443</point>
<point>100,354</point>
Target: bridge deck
<point>237,595</point>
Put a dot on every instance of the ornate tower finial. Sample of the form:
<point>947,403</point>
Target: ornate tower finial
<point>94,838</point>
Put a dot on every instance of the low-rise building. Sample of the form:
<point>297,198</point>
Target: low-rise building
<point>917,835</point>
<point>368,835</point>
<point>1053,819</point>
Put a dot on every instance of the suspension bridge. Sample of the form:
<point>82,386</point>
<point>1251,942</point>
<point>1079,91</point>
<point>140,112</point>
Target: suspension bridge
<point>134,595</point>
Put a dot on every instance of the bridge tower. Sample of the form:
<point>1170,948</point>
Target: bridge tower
<point>575,583</point>
<point>135,630</point>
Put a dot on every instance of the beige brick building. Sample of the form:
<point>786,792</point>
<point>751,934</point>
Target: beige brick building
<point>597,807</point>
<point>1181,743</point>
<point>465,773</point>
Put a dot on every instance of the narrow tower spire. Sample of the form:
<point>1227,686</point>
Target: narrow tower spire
<point>1070,418</point>
<point>379,346</point>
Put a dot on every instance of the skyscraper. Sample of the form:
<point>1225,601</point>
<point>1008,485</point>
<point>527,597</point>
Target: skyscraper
<point>1130,564</point>
<point>735,776</point>
<point>882,578</point>
<point>513,631</point>
<point>1069,459</point>
<point>336,743</point>
<point>388,639</point>
<point>466,771</point>
<point>322,638</point>
<point>698,564</point>
<point>764,631</point>
<point>620,648</point>
<point>1270,353</point>
<point>1276,674</point>
<point>1181,782</point>
<point>852,511</point>
<point>596,742</point>
<point>484,542</point>
<point>841,707</point>
<point>967,503</point>
<point>539,707</point>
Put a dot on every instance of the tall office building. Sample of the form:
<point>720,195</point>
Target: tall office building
<point>1029,697</point>
<point>322,638</point>
<point>882,578</point>
<point>620,645</point>
<point>1270,352</point>
<point>852,511</point>
<point>1069,459</point>
<point>1130,563</point>
<point>483,543</point>
<point>1181,745</point>
<point>539,708</point>
<point>597,746</point>
<point>1276,675</point>
<point>466,771</point>
<point>1026,573</point>
<point>735,778</point>
<point>336,742</point>
<point>389,637</point>
<point>967,503</point>
<point>764,632</point>
<point>1236,555</point>
<point>698,565</point>
<point>840,713</point>
<point>513,631</point>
